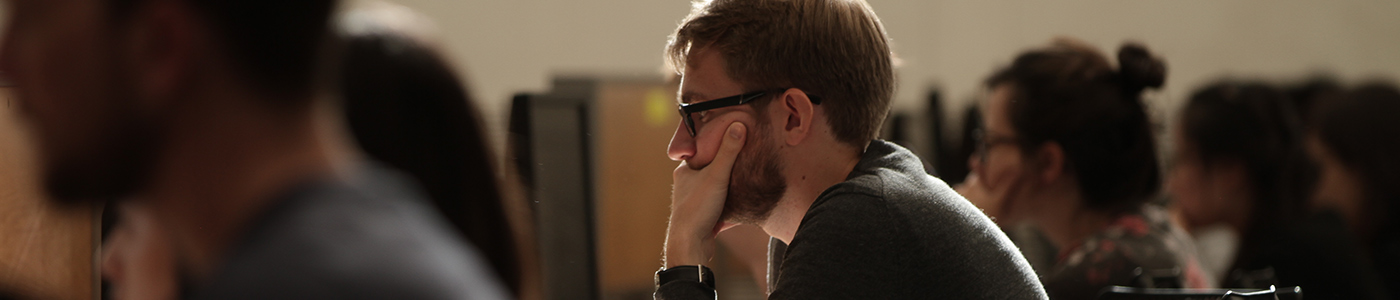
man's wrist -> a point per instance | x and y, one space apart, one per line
682 253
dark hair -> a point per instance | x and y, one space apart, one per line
957 168
1363 131
277 45
833 49
408 109
1255 125
1068 93
1307 94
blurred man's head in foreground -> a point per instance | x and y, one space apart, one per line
100 81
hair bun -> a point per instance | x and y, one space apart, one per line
1138 70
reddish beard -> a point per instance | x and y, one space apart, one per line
756 182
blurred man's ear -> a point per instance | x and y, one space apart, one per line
797 114
1050 162
160 50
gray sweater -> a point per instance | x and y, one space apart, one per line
371 237
891 231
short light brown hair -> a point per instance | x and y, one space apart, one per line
834 49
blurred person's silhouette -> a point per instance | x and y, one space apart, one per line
781 103
409 109
221 127
1354 139
1240 161
1066 146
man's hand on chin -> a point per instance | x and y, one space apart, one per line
697 198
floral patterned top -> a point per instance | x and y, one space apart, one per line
1145 239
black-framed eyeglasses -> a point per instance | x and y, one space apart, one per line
985 143
686 109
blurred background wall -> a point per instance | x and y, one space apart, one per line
513 46
506 47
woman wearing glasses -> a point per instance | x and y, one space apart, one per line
1067 148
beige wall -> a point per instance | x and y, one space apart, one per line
513 46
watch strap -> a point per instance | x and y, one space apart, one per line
700 274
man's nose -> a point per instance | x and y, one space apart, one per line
112 268
682 144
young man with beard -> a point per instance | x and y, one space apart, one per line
212 115
781 102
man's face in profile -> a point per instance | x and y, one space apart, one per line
756 182
75 94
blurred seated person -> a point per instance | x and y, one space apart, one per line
1067 147
1240 161
220 127
407 108
1355 140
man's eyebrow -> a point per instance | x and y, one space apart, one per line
692 97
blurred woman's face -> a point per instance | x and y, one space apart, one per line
1191 185
999 165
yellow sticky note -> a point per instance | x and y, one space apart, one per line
660 109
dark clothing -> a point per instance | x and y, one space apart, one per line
1145 239
1385 254
1317 253
891 231
366 237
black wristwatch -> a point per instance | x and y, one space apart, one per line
701 274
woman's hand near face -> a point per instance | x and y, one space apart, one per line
975 192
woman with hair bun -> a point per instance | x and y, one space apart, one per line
1067 147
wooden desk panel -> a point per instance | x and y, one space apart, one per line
634 123
46 251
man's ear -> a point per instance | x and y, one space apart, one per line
159 49
797 113
1050 158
